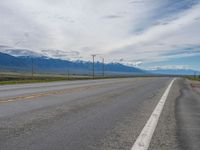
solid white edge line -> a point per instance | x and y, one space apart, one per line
144 139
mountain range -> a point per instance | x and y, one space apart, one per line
58 61
42 64
174 72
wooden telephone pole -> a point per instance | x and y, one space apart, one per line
103 67
32 69
93 67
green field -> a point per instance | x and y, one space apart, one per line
197 78
24 77
17 78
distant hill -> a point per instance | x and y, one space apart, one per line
174 71
19 52
49 65
8 61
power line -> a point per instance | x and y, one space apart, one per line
93 69
32 69
103 66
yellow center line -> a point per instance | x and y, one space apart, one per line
18 98
37 95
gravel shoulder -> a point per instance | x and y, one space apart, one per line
165 136
178 126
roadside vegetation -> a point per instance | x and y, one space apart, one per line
196 78
17 78
24 77
7 78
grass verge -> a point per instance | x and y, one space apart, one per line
194 78
6 79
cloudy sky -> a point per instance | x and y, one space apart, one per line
144 33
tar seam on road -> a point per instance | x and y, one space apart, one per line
144 139
48 93
37 95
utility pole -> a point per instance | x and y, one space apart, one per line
32 69
93 73
68 74
194 74
103 67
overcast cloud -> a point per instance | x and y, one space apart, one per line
137 31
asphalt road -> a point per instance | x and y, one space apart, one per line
98 114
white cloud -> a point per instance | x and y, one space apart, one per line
133 64
161 39
137 31
169 67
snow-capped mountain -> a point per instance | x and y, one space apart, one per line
42 64
174 71
49 53
60 54
19 52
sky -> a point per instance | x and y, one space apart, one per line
148 34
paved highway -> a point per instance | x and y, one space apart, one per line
99 114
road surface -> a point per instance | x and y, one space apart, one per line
99 114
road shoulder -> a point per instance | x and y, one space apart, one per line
165 136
